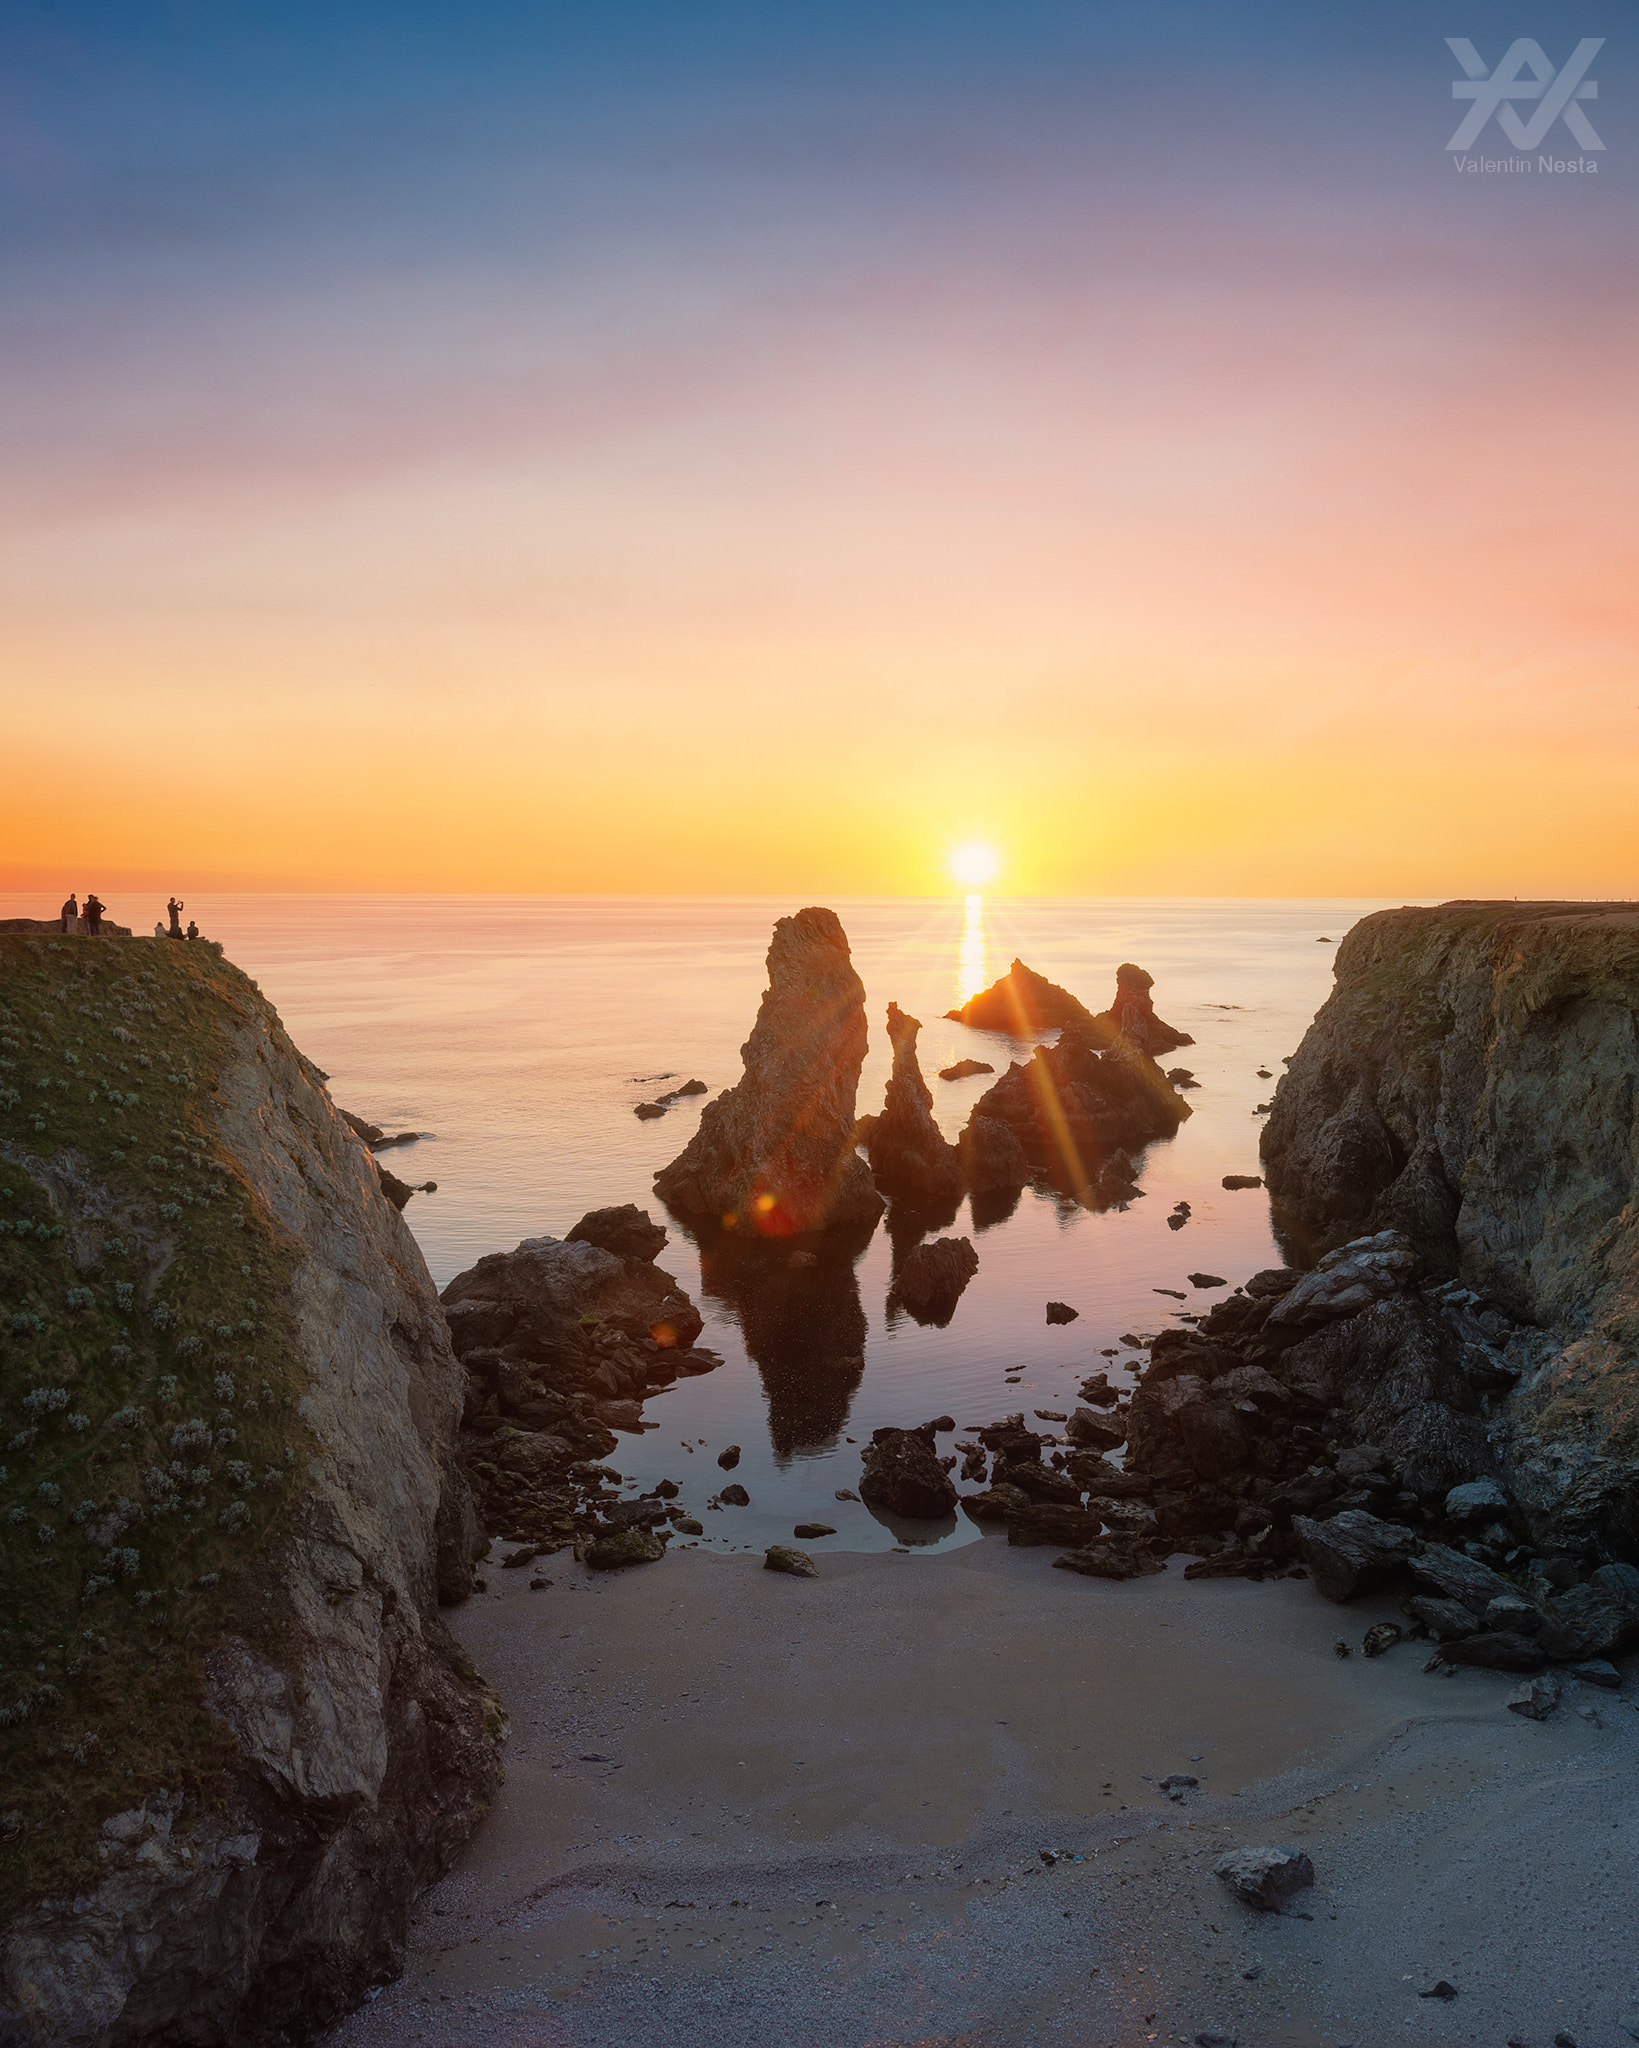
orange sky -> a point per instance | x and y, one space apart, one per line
1200 540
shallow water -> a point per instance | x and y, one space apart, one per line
521 1031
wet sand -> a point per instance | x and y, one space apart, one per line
743 1808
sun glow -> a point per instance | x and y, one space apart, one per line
973 865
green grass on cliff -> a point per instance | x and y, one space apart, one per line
148 1382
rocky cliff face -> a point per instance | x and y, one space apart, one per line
776 1154
236 1737
1470 1081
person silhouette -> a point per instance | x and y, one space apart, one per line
176 908
93 913
71 913
193 929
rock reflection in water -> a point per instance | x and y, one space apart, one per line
804 1328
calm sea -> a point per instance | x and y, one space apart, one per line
521 1031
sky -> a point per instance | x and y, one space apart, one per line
727 448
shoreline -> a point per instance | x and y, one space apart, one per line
699 1756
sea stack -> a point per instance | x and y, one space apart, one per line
775 1156
1132 1014
911 1158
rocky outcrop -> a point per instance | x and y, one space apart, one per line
775 1156
562 1341
625 1233
911 1159
259 1740
1024 1004
930 1279
905 1476
1470 1082
1074 1111
1132 1015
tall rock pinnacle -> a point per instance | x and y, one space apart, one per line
775 1154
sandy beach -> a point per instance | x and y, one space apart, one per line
744 1808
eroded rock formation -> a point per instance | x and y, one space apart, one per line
912 1160
1132 1014
1025 1003
776 1154
1073 1110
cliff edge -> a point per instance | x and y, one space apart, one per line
235 1736
1470 1082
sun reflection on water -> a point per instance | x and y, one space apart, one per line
971 975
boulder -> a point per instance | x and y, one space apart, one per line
797 1564
1478 1500
994 1503
1352 1553
1452 1576
735 1496
1497 1649
903 1476
1536 1699
1061 1312
1100 1480
627 1233
1349 1279
1114 1557
775 1155
628 1546
1040 1482
1265 1878
1088 1429
930 1278
962 1068
1052 1522
910 1158
541 1300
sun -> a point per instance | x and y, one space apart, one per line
974 865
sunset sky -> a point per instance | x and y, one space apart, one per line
761 447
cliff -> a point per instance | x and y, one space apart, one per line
235 1737
1470 1081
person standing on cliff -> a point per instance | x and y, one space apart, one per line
176 909
93 913
71 913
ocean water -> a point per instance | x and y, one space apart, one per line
520 1032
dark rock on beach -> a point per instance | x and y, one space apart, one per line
1061 1312
904 1475
774 1156
1265 1878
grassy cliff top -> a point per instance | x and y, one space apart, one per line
149 1439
